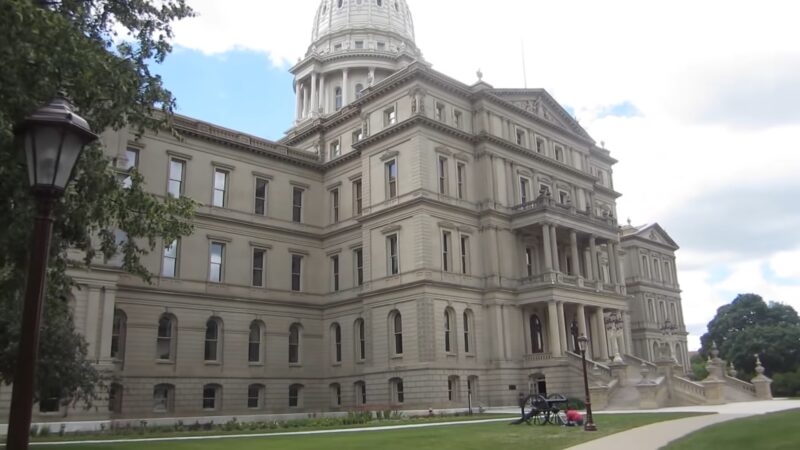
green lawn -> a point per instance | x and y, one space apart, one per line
776 431
495 436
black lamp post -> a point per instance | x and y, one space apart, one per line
589 425
54 137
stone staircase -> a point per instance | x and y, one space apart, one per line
637 383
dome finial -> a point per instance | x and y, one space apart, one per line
480 75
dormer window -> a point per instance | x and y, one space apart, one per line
381 45
359 44
337 47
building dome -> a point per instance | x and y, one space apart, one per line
390 18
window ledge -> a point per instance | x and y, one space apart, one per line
255 364
361 361
397 356
295 365
212 363
165 361
469 355
337 364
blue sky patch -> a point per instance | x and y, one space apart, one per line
773 278
238 89
718 273
624 109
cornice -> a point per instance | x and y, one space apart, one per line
602 154
607 191
486 137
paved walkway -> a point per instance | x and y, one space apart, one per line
657 435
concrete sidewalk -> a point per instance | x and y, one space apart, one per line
657 435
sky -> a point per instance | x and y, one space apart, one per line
698 100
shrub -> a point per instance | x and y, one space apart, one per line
786 384
575 403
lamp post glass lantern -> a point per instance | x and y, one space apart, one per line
589 424
54 137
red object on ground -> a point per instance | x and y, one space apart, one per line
574 416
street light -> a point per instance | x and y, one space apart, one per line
54 137
589 425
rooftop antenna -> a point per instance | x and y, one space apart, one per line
524 70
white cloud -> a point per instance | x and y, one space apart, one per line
676 61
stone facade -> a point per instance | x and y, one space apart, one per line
416 243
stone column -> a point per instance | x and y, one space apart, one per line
323 95
587 264
371 76
626 326
562 326
305 101
554 248
573 242
581 320
314 98
612 262
552 327
620 265
593 252
298 88
345 90
601 327
548 256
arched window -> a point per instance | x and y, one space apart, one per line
448 324
396 321
211 348
453 389
296 396
212 397
379 2
396 392
336 394
361 340
294 344
537 344
115 398
360 390
167 335
118 332
468 331
255 396
254 341
359 90
163 398
656 270
339 3
336 337
337 94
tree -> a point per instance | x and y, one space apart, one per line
75 46
748 325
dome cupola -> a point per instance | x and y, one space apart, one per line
382 20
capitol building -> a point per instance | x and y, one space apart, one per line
413 242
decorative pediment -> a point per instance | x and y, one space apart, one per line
541 104
655 233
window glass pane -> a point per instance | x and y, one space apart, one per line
261 196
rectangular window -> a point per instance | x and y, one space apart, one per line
446 251
131 162
358 259
391 251
529 261
391 179
259 255
520 137
297 267
253 395
563 197
464 254
335 205
220 185
458 119
389 116
261 196
215 269
177 169
359 44
523 190
335 272
209 398
358 135
539 145
559 153
169 267
461 179
442 169
297 205
335 150
438 112
294 396
357 197
381 45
